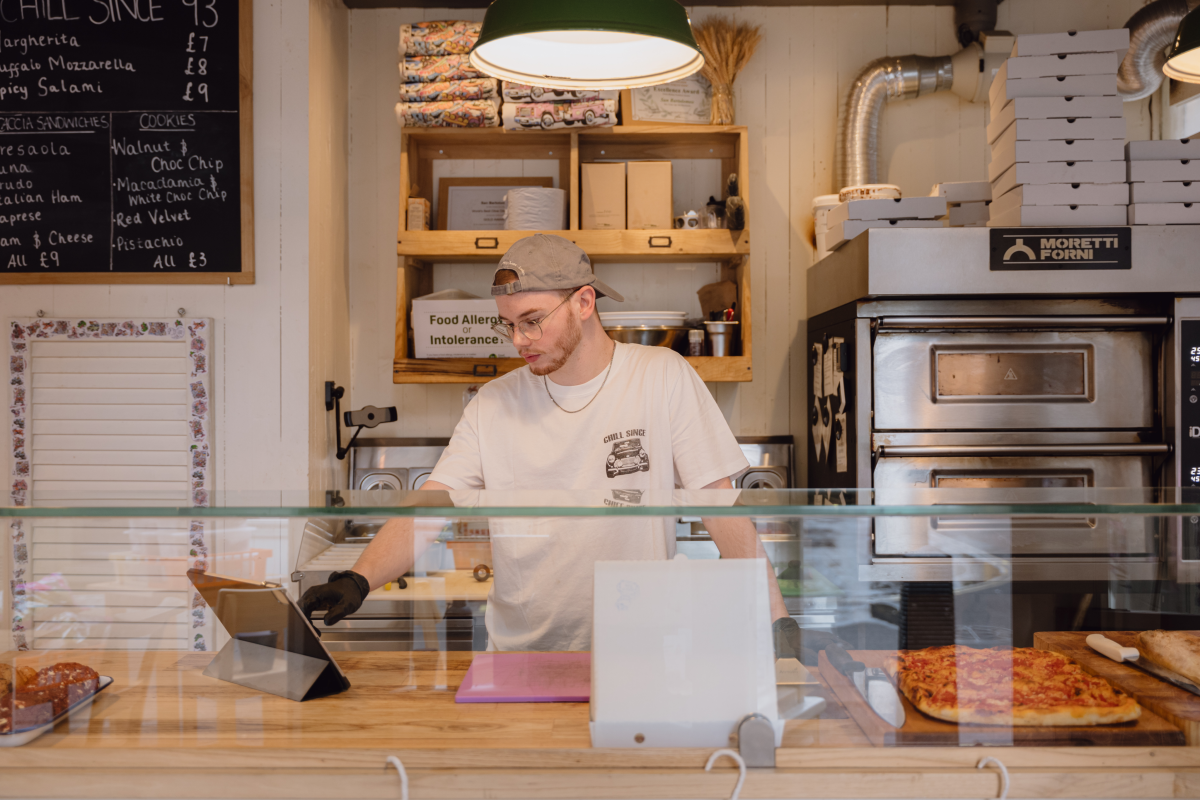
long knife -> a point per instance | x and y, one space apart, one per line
871 682
1132 656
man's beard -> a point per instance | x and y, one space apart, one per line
552 362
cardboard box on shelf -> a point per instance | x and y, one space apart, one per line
602 196
417 217
1159 171
1165 192
1054 44
455 324
1056 66
1058 172
962 191
1067 194
1018 216
1164 214
886 209
648 195
1002 91
1042 130
1163 150
843 232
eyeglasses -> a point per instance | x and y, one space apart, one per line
531 329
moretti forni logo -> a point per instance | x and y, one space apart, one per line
1019 249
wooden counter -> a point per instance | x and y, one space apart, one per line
165 730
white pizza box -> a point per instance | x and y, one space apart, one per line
1052 108
1165 192
887 208
1007 151
1005 89
1063 107
1059 172
965 214
1067 194
983 223
455 324
1163 150
1064 64
962 191
1067 42
1164 214
1042 130
1064 216
1187 169
843 232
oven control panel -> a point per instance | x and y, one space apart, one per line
1188 452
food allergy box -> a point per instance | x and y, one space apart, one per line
456 324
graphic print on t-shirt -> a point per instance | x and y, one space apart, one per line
627 454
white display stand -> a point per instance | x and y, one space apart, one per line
681 652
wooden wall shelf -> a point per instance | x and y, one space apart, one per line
601 246
421 251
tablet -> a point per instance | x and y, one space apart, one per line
273 646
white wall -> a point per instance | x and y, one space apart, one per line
788 96
260 341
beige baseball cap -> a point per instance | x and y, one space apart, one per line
544 262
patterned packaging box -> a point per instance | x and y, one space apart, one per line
438 38
549 116
449 114
474 89
414 69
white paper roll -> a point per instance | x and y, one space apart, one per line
535 209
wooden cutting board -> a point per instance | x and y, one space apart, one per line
1179 706
918 729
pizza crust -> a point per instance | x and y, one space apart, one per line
910 686
1178 651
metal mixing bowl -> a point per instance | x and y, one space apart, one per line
674 338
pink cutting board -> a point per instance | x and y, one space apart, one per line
527 678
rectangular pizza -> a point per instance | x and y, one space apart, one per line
1018 686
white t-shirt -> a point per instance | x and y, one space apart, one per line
654 426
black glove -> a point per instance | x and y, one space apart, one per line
792 642
341 597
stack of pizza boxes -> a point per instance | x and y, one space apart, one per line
1164 182
852 217
968 202
1057 132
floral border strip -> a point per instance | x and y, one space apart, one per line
21 335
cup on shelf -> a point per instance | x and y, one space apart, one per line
720 336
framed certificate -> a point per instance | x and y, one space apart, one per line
686 101
477 204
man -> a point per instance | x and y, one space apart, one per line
585 413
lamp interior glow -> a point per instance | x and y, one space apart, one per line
586 59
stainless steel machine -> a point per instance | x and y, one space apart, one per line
941 360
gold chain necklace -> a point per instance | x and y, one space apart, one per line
611 358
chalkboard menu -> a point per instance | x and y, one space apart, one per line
125 141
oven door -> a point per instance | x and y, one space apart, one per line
1012 377
990 479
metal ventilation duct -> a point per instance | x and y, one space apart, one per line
1151 30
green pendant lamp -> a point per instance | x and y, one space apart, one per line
1183 59
602 44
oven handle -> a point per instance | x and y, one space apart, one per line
937 323
919 451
